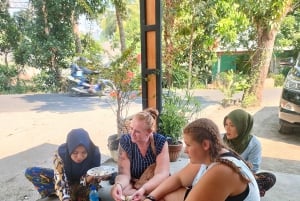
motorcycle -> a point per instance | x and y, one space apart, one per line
81 82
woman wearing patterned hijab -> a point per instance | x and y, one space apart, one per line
73 159
238 125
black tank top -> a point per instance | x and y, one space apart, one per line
242 195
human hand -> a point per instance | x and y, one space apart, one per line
92 179
139 195
117 192
89 179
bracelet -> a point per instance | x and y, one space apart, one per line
120 185
150 197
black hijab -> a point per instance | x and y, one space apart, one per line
74 170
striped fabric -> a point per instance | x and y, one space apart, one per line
138 163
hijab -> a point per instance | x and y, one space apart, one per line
73 170
243 121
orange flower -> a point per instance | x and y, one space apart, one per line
129 75
113 94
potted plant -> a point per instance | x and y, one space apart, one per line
123 72
177 111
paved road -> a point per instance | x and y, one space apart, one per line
64 103
49 103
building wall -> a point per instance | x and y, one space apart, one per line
239 60
224 63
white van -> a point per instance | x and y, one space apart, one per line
289 108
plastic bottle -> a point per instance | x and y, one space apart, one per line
93 196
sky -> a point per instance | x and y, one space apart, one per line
17 5
85 26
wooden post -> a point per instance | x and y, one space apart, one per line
150 17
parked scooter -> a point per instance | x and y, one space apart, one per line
80 82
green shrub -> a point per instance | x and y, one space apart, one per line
20 87
278 79
230 82
177 111
7 76
179 77
199 85
249 101
45 82
285 71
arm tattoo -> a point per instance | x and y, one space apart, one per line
122 157
121 152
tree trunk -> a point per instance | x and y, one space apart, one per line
121 29
123 48
169 18
260 64
6 58
191 54
45 13
119 112
76 32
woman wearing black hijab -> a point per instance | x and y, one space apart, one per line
73 159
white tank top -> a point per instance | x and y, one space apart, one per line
253 194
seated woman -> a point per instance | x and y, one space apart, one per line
137 151
214 173
238 125
68 180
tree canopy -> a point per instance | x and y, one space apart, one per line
46 35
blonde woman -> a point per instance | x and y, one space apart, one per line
138 150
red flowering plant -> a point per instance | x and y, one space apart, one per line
124 72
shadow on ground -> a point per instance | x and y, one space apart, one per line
283 149
61 103
266 125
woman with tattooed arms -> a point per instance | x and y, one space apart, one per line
141 152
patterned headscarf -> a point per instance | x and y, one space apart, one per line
75 138
243 121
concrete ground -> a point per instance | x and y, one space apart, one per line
32 127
